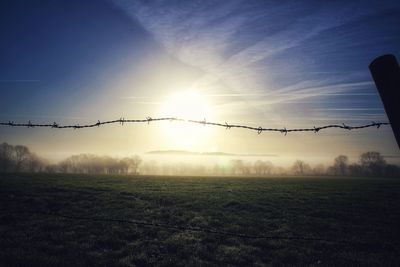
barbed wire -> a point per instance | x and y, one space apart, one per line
189 228
226 125
6 211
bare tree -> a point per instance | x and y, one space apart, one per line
267 168
35 164
340 165
372 163
134 164
123 165
21 156
300 167
237 166
6 157
263 167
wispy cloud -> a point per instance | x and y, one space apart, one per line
234 42
257 56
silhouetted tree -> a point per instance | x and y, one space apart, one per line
6 157
21 155
35 164
340 165
134 163
246 168
92 164
300 167
263 167
372 163
267 168
19 159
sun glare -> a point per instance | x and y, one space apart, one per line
187 105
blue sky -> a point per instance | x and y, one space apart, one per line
269 63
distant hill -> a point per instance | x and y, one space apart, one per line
192 153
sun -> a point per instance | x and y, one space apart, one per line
186 105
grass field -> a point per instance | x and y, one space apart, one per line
363 212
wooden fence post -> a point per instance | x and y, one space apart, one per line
386 73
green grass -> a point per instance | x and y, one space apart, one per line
363 211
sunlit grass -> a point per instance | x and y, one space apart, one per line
354 209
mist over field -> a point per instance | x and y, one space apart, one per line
176 162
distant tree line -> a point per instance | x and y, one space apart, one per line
93 164
20 159
369 164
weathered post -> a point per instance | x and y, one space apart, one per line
386 73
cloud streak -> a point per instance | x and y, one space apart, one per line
258 57
232 42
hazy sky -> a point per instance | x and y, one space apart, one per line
262 63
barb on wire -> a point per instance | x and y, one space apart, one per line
227 126
378 125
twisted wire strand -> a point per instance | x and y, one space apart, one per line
225 125
188 228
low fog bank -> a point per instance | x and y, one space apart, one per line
20 159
